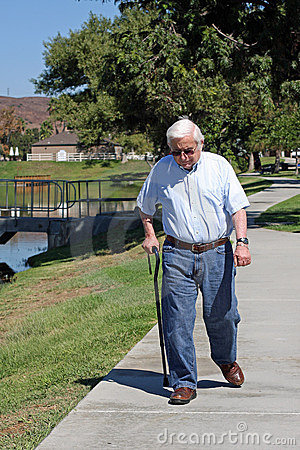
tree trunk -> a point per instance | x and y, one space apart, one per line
277 161
251 163
257 162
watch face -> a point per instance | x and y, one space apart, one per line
243 240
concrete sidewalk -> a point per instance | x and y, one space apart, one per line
129 408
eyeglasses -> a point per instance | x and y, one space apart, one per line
188 151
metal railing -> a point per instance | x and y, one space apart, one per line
104 196
35 197
66 199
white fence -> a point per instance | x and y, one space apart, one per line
83 156
41 157
68 156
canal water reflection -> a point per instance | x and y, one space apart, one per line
61 199
19 248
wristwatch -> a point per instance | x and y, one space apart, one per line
243 240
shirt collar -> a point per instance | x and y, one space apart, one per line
195 167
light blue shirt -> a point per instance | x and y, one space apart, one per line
196 206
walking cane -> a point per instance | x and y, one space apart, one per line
158 311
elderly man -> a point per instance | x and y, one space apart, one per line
202 200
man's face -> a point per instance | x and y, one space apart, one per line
186 160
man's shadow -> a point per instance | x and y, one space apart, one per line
147 381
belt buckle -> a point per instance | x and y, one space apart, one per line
194 249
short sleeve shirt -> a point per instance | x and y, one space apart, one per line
197 205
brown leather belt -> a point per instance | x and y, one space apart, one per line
197 248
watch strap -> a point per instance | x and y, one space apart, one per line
243 240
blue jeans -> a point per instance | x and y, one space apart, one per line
183 271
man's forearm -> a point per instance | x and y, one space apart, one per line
150 238
241 254
240 223
147 222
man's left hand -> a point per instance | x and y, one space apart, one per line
241 256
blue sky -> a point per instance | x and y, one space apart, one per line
25 24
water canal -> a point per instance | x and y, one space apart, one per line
18 249
58 199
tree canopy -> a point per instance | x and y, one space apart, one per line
10 124
231 66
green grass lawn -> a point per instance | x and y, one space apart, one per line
283 174
284 216
266 160
74 170
252 185
64 324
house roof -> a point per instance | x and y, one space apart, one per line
67 138
64 138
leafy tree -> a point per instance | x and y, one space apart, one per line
46 129
257 27
135 79
253 46
24 140
9 123
278 132
137 142
228 65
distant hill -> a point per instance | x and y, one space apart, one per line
33 110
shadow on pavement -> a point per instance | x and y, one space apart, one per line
144 380
283 181
210 384
147 381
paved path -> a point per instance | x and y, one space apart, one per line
129 408
281 189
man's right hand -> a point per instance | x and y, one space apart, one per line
149 243
150 240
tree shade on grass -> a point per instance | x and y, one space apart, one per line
284 216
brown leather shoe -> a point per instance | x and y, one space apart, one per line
182 396
233 373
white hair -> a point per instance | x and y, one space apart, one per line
184 127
